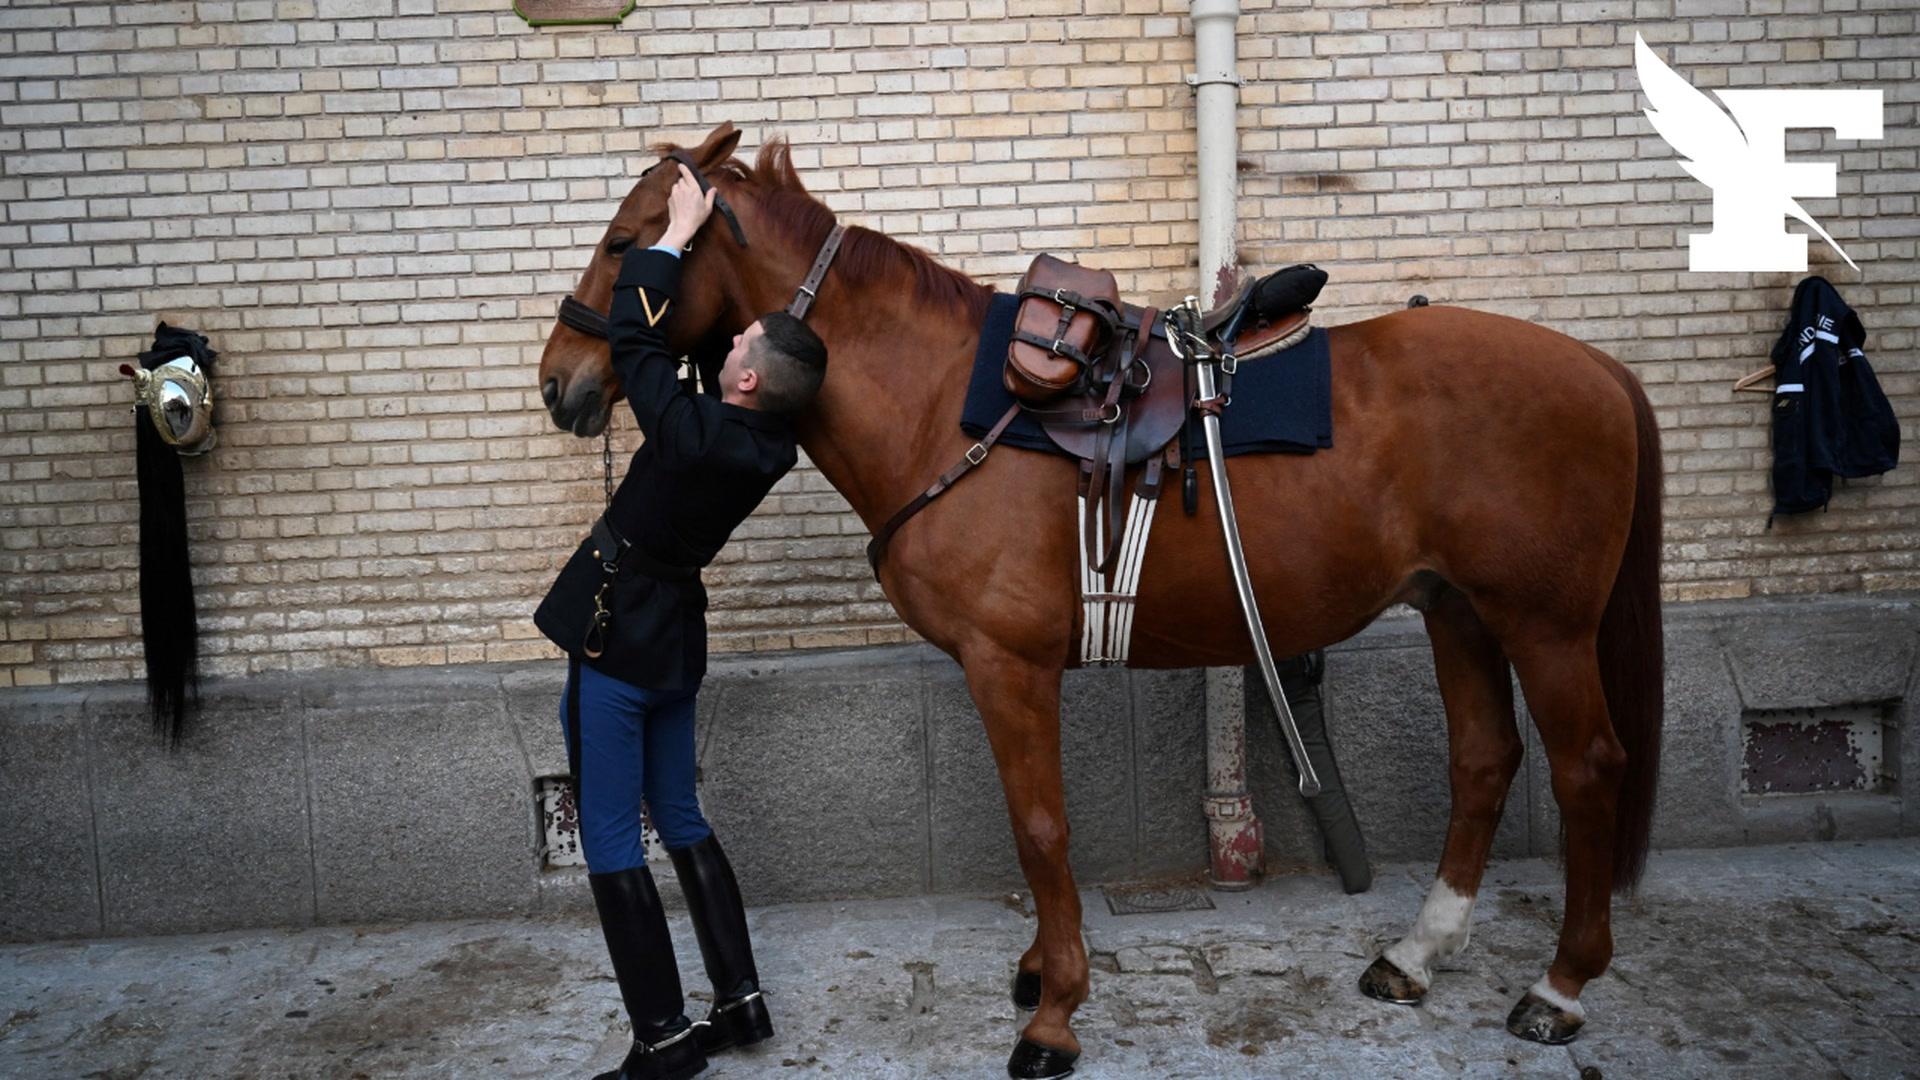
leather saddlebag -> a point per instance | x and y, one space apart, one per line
1067 317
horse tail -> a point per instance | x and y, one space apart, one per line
1633 652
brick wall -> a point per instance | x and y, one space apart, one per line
371 206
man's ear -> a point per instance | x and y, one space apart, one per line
749 381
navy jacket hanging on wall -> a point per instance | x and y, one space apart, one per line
1830 417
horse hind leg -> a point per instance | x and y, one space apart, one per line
1565 694
1486 751
1020 704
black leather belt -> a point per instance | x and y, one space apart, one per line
611 548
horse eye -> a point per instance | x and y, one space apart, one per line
618 246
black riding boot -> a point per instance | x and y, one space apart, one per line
739 1016
664 1046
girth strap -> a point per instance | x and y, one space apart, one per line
1105 478
977 453
1108 598
1106 472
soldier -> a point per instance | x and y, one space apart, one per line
629 610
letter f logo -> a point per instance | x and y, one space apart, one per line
1743 158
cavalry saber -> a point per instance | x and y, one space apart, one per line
1242 582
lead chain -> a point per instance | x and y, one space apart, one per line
606 460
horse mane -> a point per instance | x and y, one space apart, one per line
867 257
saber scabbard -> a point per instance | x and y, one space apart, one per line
1206 366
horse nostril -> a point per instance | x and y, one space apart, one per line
550 392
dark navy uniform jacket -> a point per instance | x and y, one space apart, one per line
1830 417
704 466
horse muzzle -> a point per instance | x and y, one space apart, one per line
583 409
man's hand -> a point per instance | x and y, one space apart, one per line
687 208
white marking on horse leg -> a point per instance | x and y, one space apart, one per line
1441 931
1545 992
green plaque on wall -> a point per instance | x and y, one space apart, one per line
573 12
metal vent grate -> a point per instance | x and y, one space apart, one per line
1832 749
1155 899
560 827
559 823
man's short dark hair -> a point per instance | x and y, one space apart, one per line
791 360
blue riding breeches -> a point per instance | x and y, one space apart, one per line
630 745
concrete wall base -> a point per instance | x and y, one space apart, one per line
349 797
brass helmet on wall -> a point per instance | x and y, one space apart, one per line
179 400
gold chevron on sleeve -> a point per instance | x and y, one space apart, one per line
653 317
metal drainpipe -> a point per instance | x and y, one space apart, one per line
1233 831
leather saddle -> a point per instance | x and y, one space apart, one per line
1153 404
1101 380
1072 325
1104 384
1268 314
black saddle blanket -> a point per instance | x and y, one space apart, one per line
1281 404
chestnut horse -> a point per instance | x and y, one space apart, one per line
1501 478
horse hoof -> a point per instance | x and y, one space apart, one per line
1382 981
1031 1061
1539 1020
1026 990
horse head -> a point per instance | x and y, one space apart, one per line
577 381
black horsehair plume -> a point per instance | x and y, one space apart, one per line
169 628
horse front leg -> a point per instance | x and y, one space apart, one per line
1020 703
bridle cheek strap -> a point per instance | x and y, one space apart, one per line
719 201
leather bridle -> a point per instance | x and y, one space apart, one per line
593 323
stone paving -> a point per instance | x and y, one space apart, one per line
1799 961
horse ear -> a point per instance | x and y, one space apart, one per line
719 145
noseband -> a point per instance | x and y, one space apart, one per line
578 316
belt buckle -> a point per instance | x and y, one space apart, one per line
976 453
